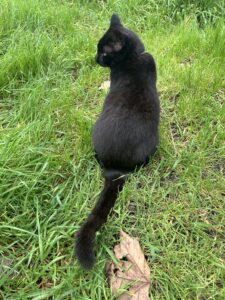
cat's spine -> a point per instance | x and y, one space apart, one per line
85 237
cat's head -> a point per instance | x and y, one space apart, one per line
117 45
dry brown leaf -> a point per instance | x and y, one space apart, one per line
133 274
105 85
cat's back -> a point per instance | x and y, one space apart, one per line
127 128
134 88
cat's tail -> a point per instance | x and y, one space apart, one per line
84 244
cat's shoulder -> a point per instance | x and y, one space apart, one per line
147 59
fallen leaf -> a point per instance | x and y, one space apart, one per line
133 273
105 85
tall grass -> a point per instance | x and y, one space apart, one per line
49 180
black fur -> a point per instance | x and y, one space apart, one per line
126 132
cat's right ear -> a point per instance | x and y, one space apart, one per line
115 20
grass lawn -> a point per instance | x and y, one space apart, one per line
49 179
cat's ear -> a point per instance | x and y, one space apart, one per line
121 42
115 20
118 46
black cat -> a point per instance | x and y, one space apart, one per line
126 132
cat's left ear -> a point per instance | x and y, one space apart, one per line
122 41
115 20
118 46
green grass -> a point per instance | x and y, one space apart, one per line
49 179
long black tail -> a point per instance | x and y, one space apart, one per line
86 235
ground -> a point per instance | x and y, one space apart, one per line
49 179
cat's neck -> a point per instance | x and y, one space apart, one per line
122 76
126 67
119 73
